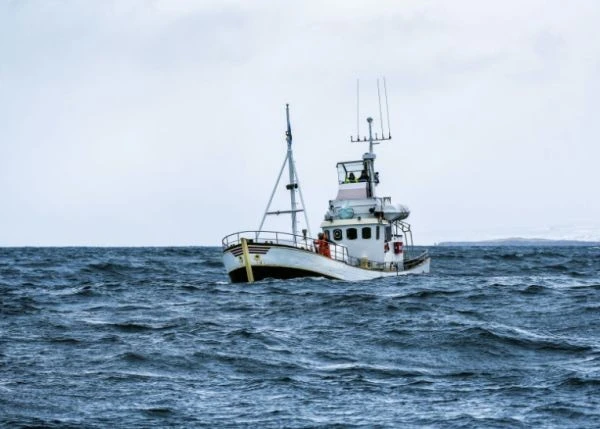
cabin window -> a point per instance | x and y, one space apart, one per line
377 232
388 233
351 234
366 232
337 234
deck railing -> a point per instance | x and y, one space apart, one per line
338 252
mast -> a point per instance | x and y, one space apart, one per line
292 185
370 121
370 159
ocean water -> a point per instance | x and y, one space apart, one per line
157 337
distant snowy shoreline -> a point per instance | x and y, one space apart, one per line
520 242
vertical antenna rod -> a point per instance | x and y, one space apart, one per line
292 186
387 108
380 115
357 110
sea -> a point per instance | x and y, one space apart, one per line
494 337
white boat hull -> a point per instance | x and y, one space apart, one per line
279 261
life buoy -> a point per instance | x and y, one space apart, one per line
397 247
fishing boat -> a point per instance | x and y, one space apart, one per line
363 236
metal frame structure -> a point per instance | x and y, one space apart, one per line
292 186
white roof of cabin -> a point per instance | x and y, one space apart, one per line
353 222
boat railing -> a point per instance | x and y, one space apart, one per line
410 253
412 257
338 252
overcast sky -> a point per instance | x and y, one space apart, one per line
162 122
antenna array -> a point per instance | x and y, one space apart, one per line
381 121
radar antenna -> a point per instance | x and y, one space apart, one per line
377 139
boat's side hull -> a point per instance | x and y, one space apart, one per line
283 262
261 272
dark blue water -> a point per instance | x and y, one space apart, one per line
156 337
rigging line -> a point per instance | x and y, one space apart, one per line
273 193
380 115
387 108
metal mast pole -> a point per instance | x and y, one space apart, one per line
371 161
293 185
370 121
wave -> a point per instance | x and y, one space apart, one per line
106 268
158 411
343 299
255 364
86 291
23 305
369 371
425 294
564 410
535 290
130 327
561 268
266 338
134 327
211 263
521 339
496 256
64 340
133 357
38 422
578 382
512 256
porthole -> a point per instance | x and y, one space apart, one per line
337 234
351 234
